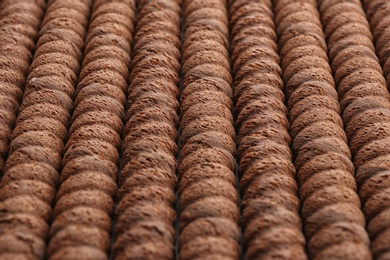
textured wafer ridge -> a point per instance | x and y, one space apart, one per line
270 206
364 100
333 222
145 211
208 201
19 25
82 223
30 178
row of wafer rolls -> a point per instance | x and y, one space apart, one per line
81 225
19 24
30 176
378 14
379 17
144 215
270 206
364 100
333 222
208 200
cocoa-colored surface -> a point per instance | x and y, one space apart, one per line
19 23
318 139
365 111
220 129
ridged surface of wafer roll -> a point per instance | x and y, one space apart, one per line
30 178
270 206
208 221
324 169
145 212
194 129
81 226
364 101
19 25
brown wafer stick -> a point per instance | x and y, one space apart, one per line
197 128
362 108
42 125
379 20
317 135
259 147
18 36
147 180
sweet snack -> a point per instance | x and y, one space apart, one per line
364 111
85 198
147 179
194 129
318 139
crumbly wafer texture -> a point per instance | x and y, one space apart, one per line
19 25
321 191
208 200
364 100
85 198
145 214
266 171
193 129
40 131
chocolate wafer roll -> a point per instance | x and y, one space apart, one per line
322 191
265 168
42 125
19 23
144 214
377 13
85 199
207 192
363 98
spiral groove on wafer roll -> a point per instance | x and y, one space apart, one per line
378 14
364 100
145 212
84 206
31 171
270 206
331 211
19 25
208 200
